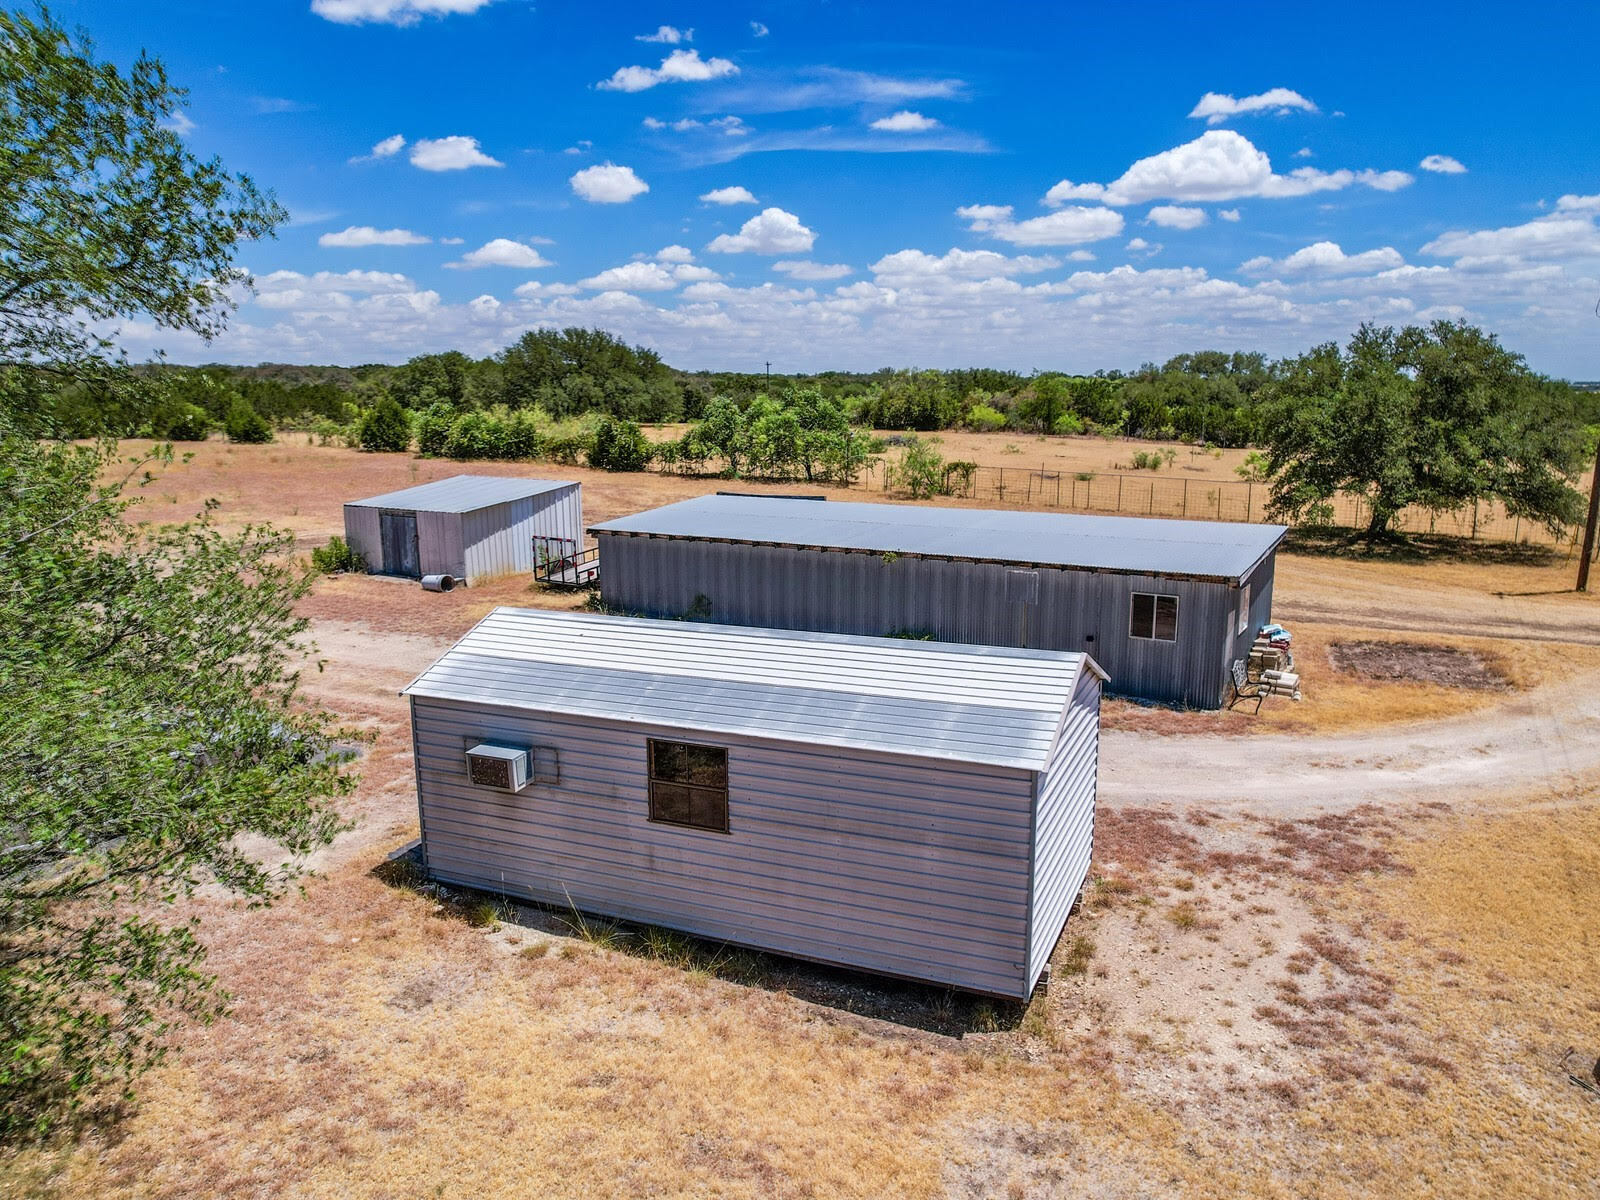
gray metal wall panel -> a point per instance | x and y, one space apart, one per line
861 593
439 544
362 536
1064 824
499 539
867 860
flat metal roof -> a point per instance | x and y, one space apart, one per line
1215 550
463 493
976 704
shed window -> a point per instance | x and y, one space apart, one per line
1153 618
689 785
1244 610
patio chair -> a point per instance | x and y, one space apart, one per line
1245 688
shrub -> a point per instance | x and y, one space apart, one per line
184 423
1067 423
618 446
433 430
386 427
245 425
920 469
337 556
984 419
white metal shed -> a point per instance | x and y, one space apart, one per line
469 526
915 809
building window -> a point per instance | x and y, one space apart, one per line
1153 618
1244 610
689 785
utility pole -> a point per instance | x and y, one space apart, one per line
769 375
1588 527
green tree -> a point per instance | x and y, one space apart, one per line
1436 417
919 472
103 212
150 727
721 433
619 446
385 426
244 424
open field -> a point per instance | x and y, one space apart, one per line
1343 956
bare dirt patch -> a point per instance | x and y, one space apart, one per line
1401 662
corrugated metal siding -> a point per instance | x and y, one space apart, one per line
876 594
362 536
559 515
873 861
1064 824
439 544
500 539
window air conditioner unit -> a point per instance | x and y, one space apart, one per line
502 767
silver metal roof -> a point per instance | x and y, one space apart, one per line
926 699
1135 545
463 493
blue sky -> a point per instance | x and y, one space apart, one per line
860 185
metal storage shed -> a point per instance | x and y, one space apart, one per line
1165 606
909 808
468 526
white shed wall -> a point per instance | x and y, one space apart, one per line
1064 824
890 864
499 540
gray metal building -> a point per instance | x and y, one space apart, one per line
1164 606
469 526
915 809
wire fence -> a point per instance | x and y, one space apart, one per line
1153 495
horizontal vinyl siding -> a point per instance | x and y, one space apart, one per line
866 860
1064 833
835 591
361 534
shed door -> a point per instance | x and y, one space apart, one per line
399 534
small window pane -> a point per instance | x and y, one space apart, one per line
670 802
708 766
1143 619
1166 619
708 809
669 760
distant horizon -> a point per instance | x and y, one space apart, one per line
827 190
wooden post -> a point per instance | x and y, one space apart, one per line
1588 527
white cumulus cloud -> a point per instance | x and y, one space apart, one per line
667 35
1442 164
501 252
811 271
681 66
905 121
1228 214
1217 107
608 184
1173 216
454 153
757 29
906 267
391 12
1065 227
1220 164
729 195
771 231
1567 233
631 277
1329 258
367 235
675 254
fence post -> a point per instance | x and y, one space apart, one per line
1119 493
1186 497
1474 517
1249 497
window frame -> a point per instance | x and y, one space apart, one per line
1155 607
1244 610
693 790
